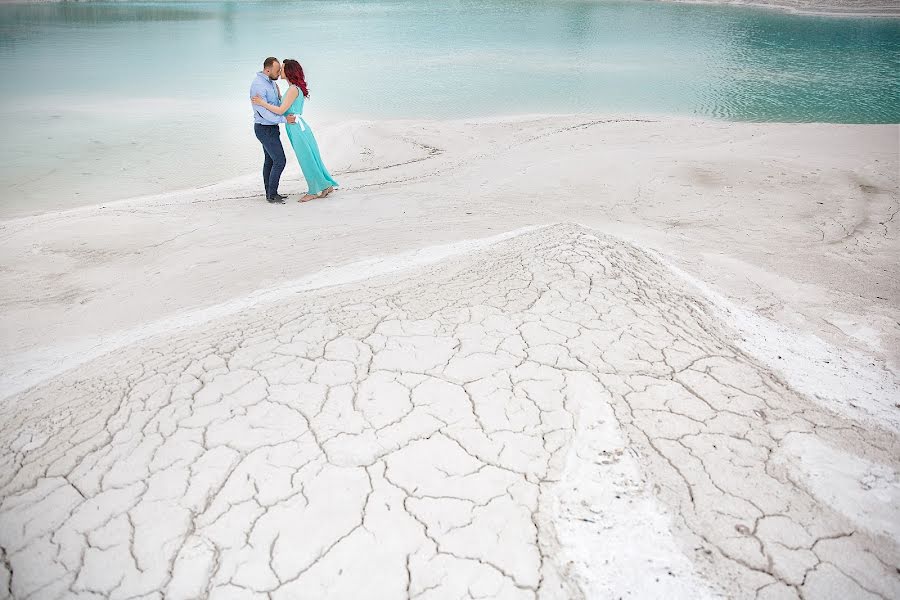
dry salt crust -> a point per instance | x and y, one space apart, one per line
782 237
555 415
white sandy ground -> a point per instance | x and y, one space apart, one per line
450 380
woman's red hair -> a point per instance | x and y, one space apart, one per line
294 73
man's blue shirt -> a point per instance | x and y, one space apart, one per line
265 88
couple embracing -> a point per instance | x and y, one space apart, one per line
269 110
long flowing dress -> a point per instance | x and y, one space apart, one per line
307 150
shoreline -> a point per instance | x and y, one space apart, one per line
330 130
334 128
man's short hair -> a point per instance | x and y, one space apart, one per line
269 62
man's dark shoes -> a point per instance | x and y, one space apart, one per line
276 199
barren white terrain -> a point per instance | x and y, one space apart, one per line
524 358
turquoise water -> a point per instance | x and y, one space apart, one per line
98 88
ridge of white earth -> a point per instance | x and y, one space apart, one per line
555 415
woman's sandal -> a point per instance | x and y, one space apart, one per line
322 194
308 197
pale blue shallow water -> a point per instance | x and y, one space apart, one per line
89 88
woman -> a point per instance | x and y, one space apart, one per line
304 143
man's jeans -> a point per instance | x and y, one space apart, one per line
270 138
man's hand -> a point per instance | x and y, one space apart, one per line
291 119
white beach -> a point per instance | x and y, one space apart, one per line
556 357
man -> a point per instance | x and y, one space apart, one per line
265 125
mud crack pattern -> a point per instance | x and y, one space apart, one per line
409 437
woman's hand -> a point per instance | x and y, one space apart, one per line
257 101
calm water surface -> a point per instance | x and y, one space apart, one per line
108 100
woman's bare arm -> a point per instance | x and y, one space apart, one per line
286 102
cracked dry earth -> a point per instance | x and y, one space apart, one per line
488 427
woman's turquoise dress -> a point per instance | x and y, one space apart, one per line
307 150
